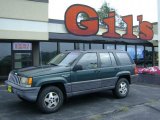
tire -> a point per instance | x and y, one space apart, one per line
50 99
122 88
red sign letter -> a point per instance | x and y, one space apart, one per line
110 22
145 29
129 21
86 27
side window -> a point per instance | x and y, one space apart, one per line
105 60
88 61
123 58
113 59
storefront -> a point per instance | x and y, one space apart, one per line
27 40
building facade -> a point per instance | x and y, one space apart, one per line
29 38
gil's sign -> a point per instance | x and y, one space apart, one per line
91 26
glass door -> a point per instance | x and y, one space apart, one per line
22 55
22 59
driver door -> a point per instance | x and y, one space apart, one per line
85 79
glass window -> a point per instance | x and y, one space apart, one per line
65 59
109 46
84 46
121 47
88 61
66 47
105 60
140 52
5 59
148 56
123 58
113 59
96 46
22 60
155 56
48 50
131 51
140 56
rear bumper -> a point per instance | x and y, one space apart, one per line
29 94
134 78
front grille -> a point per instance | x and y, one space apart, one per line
14 79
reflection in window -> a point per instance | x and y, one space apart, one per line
131 51
22 60
109 46
148 56
105 60
155 56
5 59
120 47
66 46
113 59
140 56
65 59
88 61
124 58
84 46
48 50
140 52
96 46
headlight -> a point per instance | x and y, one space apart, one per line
26 82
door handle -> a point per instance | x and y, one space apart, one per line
117 68
97 71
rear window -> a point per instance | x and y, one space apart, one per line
124 58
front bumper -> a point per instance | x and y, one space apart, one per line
29 94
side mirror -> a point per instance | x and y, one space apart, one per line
77 67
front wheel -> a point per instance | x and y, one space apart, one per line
50 99
122 88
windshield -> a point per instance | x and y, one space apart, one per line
65 59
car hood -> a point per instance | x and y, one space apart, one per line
41 70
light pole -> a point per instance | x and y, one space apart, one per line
158 32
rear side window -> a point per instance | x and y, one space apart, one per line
105 60
123 58
113 59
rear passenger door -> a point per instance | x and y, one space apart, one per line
86 79
107 69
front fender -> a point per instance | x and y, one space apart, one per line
51 81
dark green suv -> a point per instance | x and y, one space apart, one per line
73 73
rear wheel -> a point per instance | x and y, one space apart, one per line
122 88
50 99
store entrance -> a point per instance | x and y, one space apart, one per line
22 55
22 59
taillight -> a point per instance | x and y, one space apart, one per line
135 70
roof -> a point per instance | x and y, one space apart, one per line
94 50
44 1
96 38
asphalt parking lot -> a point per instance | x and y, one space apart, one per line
143 103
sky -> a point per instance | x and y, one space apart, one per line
147 8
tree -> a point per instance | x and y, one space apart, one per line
103 13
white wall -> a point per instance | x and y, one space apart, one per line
24 9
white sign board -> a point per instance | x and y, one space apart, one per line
22 46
